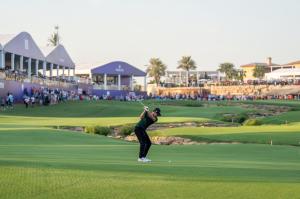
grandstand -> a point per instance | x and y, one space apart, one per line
23 64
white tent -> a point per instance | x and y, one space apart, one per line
58 58
288 73
58 55
20 48
21 53
21 44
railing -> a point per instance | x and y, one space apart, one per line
110 87
44 81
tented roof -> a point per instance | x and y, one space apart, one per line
118 67
46 50
58 55
21 44
5 38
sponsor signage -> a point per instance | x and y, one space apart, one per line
120 69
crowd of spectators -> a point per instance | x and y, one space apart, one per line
17 75
46 96
223 97
282 82
128 97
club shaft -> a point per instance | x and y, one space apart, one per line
141 103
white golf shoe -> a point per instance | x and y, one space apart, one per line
144 160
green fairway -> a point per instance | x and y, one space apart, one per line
37 161
104 113
280 135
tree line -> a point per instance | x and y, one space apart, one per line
157 69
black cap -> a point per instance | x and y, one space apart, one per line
157 111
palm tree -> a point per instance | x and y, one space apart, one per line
240 75
259 71
228 69
156 69
187 63
54 38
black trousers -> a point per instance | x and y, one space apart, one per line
145 142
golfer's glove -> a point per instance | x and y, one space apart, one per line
146 108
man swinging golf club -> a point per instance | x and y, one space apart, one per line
146 119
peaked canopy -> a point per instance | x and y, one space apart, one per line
21 44
58 55
4 39
118 68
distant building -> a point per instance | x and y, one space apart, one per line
284 74
180 77
249 68
295 64
116 79
270 68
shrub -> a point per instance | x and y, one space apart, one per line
99 130
127 129
89 129
295 109
238 118
252 122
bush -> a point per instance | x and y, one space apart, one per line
252 122
295 109
99 130
127 129
240 118
237 118
89 129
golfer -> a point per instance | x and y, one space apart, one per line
147 118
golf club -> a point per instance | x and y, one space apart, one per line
140 101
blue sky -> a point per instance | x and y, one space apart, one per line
211 31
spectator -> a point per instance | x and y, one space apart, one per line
2 101
26 101
32 100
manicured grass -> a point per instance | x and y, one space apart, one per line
280 135
37 161
59 164
105 113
